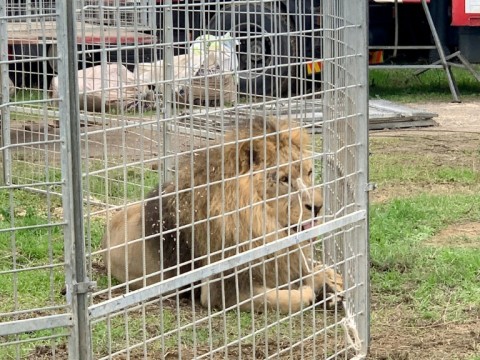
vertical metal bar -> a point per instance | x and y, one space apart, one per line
168 86
328 115
80 339
356 37
4 95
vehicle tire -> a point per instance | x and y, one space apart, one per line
265 49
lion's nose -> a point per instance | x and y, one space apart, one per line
316 209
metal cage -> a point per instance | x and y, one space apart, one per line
184 180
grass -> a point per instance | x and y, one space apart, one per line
421 283
404 86
112 186
432 276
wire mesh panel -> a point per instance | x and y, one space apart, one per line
211 178
38 305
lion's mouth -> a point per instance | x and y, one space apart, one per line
304 226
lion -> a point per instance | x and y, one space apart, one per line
254 189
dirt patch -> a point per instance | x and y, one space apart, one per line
457 117
444 341
45 352
458 235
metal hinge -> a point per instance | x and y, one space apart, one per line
371 187
84 287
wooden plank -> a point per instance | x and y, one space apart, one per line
401 124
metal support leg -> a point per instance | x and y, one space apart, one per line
451 81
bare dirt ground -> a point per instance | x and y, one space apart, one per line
395 333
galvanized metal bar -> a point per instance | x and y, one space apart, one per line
134 297
31 185
56 308
4 96
80 340
169 93
20 270
406 66
402 47
438 44
357 38
36 324
42 142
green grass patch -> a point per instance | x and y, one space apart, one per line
34 347
396 161
31 236
184 330
404 86
406 168
402 264
114 186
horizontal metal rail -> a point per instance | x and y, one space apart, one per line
35 324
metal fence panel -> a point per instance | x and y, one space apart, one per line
179 160
38 278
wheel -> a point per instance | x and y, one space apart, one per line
264 49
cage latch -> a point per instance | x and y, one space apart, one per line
371 187
84 287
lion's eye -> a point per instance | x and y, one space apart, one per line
284 179
310 173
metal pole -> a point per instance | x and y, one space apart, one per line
79 346
345 139
357 37
168 86
451 80
4 96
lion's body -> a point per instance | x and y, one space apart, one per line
129 262
245 193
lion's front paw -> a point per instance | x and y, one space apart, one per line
333 286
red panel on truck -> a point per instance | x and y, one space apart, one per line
466 12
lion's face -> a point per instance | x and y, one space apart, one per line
290 193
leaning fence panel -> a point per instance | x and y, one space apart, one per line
223 163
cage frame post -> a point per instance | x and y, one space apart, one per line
357 38
169 94
77 284
345 111
4 98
